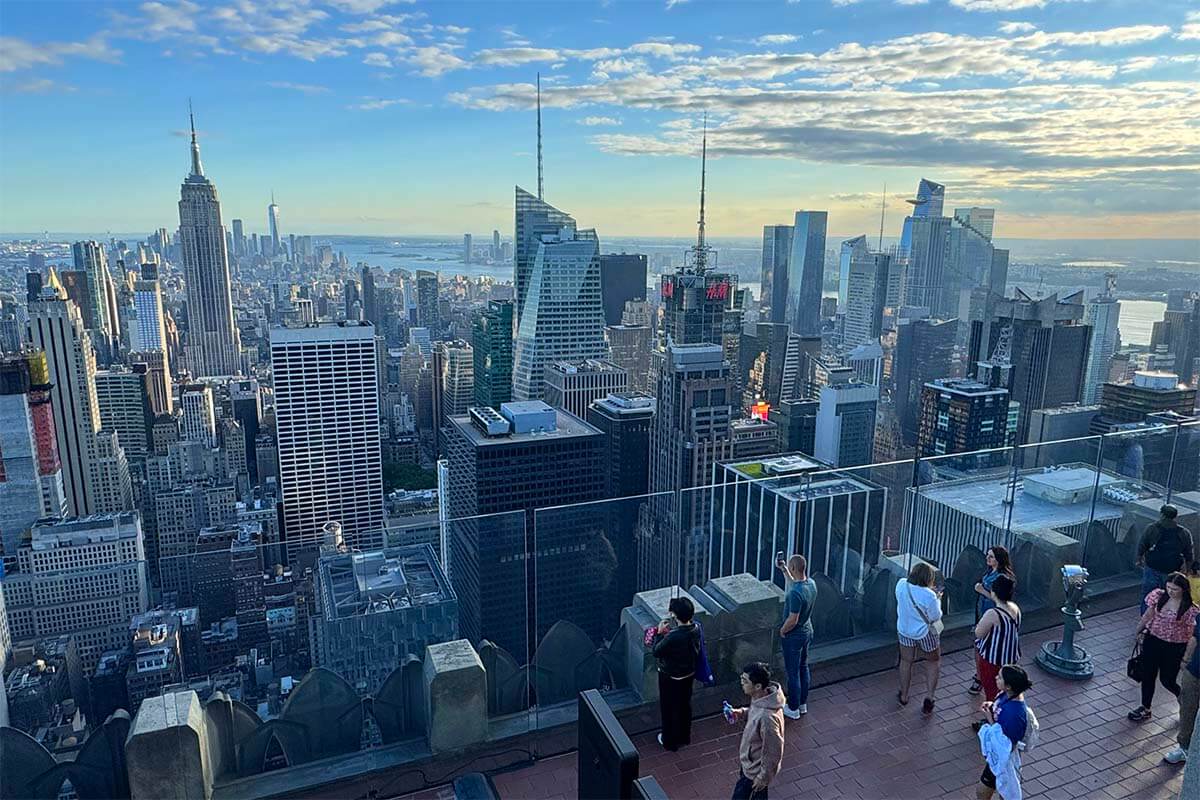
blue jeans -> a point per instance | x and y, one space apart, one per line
744 790
795 661
1151 579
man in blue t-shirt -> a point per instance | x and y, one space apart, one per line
796 633
1189 698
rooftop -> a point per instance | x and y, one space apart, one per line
566 426
786 464
856 743
381 580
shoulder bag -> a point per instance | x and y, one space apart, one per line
938 626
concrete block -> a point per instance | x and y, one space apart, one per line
455 695
167 749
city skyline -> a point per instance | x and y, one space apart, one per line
811 105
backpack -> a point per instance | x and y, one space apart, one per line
1167 553
1033 732
704 672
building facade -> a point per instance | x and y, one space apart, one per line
573 385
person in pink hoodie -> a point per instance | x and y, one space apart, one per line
761 751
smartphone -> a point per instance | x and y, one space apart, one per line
779 559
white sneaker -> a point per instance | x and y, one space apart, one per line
803 708
1176 756
790 714
660 741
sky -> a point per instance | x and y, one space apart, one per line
1073 118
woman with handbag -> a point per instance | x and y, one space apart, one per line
997 635
1164 630
919 628
999 563
677 647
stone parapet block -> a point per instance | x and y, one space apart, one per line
167 749
455 696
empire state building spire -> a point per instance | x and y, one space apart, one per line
197 167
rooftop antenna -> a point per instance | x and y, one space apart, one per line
197 169
539 133
882 208
701 260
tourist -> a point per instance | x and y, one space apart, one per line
1166 547
1009 724
919 627
996 635
1189 695
796 633
676 647
1168 623
998 563
761 751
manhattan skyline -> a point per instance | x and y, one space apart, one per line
376 118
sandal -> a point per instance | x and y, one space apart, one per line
976 687
927 706
1139 714
900 699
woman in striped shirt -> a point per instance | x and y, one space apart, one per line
997 635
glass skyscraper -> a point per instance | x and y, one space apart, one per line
805 272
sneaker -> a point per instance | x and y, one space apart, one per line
660 743
976 687
803 709
1176 756
790 714
1139 714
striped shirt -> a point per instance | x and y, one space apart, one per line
1002 644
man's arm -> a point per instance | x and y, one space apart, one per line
1188 549
1144 544
793 619
772 752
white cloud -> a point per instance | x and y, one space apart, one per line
377 60
303 88
593 122
777 38
997 5
37 86
18 54
364 6
672 3
663 49
1017 27
512 56
1189 31
377 103
434 60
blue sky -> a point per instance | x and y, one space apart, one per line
1072 117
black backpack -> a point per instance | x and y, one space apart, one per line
1167 553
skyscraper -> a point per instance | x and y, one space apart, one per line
777 247
453 381
427 301
1038 351
925 263
806 272
924 352
573 385
534 219
563 317
468 246
246 401
273 224
495 245
56 327
239 239
31 483
928 203
211 331
148 339
327 422
1103 314
845 435
492 347
369 300
960 416
622 278
981 219
100 312
525 457
123 397
865 276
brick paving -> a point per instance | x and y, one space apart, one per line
857 743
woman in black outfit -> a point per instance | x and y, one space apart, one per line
676 648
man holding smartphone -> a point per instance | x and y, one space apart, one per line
796 632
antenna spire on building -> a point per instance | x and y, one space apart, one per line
882 209
701 257
197 169
539 133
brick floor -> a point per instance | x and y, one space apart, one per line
857 743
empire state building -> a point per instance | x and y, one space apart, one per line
213 347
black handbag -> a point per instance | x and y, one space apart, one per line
1134 667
